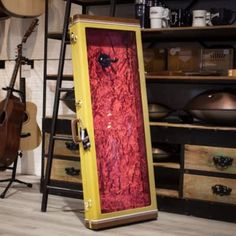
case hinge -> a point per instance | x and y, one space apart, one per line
73 38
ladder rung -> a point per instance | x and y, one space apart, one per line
58 36
63 137
60 189
66 89
64 77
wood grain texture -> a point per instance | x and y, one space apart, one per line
201 158
192 126
20 215
61 149
23 8
31 127
200 187
59 173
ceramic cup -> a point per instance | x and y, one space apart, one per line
200 18
158 15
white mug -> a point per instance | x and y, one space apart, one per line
201 18
158 15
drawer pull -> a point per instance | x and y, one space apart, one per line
221 190
72 171
72 146
222 162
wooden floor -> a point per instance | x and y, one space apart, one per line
20 215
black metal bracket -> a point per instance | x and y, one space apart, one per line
113 8
2 64
13 177
12 89
26 61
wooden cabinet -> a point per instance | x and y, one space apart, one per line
66 161
66 171
63 149
210 178
208 188
198 175
211 159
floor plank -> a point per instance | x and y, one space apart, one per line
20 215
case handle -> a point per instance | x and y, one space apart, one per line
75 135
82 136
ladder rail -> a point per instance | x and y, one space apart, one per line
45 177
56 106
44 92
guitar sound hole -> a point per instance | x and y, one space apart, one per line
2 117
26 117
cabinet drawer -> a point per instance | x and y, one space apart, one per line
63 170
214 159
62 148
210 188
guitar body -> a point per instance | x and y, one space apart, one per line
11 120
3 15
22 8
31 134
12 111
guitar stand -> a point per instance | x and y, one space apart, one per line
13 178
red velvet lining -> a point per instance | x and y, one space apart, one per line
118 120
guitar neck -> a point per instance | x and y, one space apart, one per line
18 62
22 89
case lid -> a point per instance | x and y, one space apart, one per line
104 19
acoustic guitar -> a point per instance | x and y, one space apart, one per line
22 8
30 132
3 16
12 112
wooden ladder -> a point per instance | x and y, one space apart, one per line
46 186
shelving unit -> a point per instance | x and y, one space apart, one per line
176 183
209 33
218 79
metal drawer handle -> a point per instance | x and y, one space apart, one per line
222 162
221 190
72 171
72 146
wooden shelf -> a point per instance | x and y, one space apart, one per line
172 165
58 36
192 126
218 33
99 2
167 192
181 78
